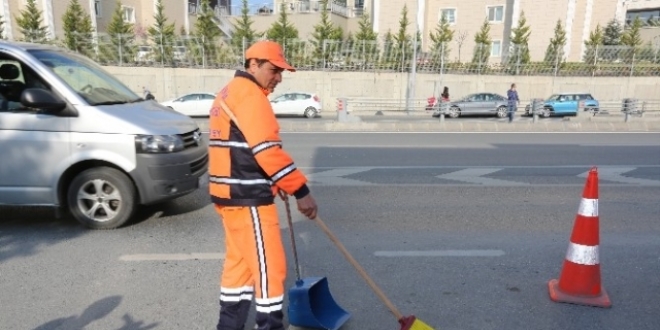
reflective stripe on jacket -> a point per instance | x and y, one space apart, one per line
248 166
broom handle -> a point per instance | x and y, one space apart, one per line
293 237
359 269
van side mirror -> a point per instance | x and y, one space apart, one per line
39 98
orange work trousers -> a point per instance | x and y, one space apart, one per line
255 264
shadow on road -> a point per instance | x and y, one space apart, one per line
94 312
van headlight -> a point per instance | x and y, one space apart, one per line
158 143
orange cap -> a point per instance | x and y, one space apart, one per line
271 51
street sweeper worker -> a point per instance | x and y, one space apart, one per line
248 167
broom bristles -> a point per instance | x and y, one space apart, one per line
413 323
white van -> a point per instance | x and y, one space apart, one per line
72 136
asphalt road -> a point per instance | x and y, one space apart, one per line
463 230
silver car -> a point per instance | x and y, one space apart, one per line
476 104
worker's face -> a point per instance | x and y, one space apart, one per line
267 75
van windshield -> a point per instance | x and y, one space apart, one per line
87 78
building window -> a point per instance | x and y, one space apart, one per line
449 14
97 8
128 13
496 48
496 14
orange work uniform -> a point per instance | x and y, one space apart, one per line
247 167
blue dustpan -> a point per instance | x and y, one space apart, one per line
310 303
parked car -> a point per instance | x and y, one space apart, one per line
77 139
297 103
566 104
477 104
192 105
144 54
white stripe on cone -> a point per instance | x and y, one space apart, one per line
588 207
582 254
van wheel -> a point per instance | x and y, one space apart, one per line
101 198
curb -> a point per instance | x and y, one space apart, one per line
586 125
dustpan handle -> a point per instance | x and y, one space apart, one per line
293 237
360 270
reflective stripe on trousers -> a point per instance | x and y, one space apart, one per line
254 264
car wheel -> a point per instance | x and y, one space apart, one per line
546 113
101 198
501 112
454 112
310 112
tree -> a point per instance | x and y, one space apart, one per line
519 52
206 32
30 23
77 28
613 33
282 29
243 29
325 31
555 51
2 28
389 45
483 44
162 35
460 40
595 41
403 46
441 37
633 39
121 37
632 36
365 40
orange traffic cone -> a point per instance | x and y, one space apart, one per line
579 282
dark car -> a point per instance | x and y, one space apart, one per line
477 104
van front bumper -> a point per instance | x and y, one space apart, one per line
161 177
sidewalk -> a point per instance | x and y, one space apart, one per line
573 124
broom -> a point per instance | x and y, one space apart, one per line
407 322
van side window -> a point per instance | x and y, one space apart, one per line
14 79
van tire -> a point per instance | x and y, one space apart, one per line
118 195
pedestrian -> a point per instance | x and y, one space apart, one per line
445 94
513 100
147 93
248 167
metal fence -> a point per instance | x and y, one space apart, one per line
364 56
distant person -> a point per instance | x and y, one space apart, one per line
513 100
445 94
147 94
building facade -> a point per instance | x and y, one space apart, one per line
579 18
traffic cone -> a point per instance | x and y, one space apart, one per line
579 282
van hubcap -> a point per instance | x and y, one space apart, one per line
99 200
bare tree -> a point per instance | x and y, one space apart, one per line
460 39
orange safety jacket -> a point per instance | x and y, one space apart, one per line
247 166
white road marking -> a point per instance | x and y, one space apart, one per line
474 175
615 174
441 253
335 177
172 257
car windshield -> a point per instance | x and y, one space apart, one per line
554 97
87 78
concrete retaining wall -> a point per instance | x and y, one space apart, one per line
167 83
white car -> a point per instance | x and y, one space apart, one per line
297 103
193 104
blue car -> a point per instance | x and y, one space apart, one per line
567 104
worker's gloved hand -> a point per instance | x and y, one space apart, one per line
307 206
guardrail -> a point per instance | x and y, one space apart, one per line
627 108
